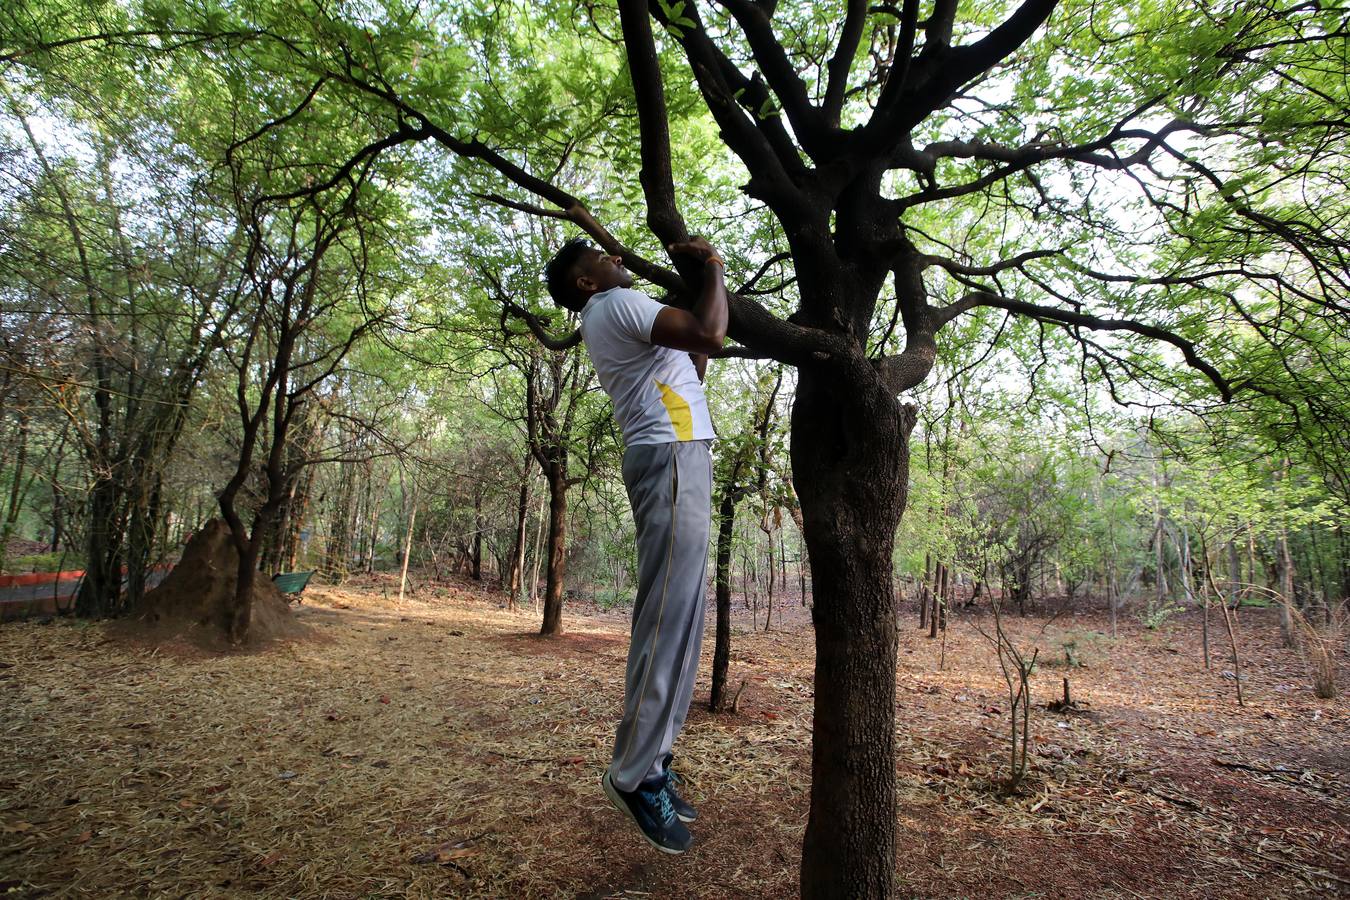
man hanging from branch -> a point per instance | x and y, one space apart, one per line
635 344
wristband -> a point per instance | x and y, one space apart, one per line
716 259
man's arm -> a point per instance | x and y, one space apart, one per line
700 361
703 329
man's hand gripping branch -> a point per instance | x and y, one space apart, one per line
702 329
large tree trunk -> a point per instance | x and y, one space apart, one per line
281 544
557 550
101 588
239 615
142 527
850 462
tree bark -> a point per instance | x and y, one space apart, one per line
100 589
924 589
407 547
726 523
516 576
1285 566
337 559
477 570
557 550
16 487
850 465
768 612
937 592
538 554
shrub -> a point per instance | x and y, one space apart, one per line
1156 613
40 562
1319 643
1080 649
608 598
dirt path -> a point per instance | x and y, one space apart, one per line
443 730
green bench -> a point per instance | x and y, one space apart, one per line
291 583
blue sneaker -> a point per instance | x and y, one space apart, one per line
683 810
650 808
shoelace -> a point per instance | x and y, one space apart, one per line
667 811
663 802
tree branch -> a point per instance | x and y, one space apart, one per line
535 325
403 135
1021 158
781 74
771 182
519 206
841 63
571 207
942 70
907 369
1015 262
658 184
749 285
1082 320
937 28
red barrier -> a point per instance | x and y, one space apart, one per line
28 578
27 596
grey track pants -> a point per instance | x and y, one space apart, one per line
670 489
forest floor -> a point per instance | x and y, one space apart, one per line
438 748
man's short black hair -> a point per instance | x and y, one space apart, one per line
560 276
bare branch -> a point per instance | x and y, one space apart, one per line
519 206
1072 319
748 141
176 39
781 74
366 154
941 70
658 185
749 285
1018 159
1015 262
536 326
841 63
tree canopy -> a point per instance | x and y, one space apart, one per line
1067 203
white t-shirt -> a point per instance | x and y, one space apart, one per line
657 396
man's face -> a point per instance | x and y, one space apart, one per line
598 272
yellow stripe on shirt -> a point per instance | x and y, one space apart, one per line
681 417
